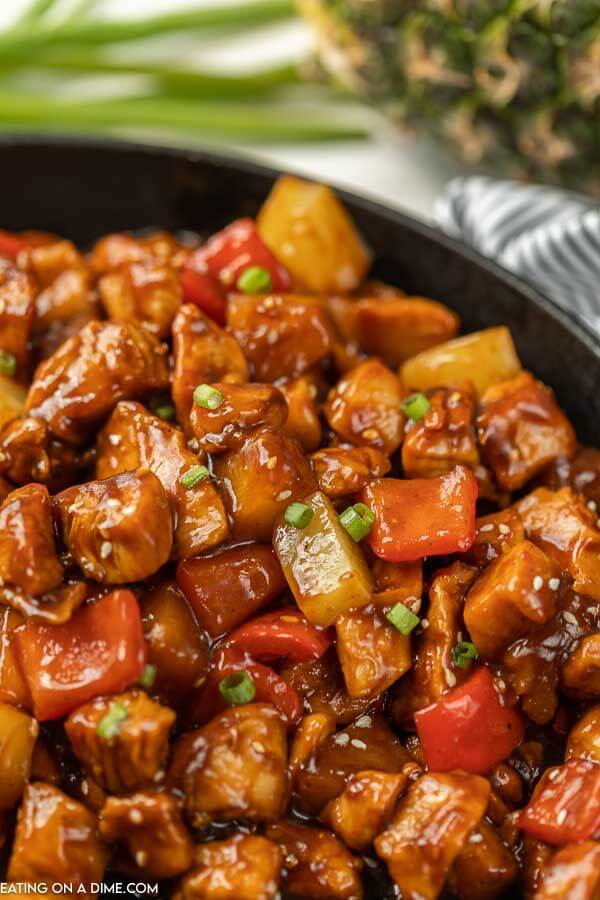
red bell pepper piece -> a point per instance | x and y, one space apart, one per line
213 269
101 650
565 806
421 517
225 588
284 633
469 728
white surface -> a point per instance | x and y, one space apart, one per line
399 169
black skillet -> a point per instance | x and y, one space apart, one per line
83 188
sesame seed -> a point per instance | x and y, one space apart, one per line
554 584
538 583
488 527
271 462
359 745
283 495
569 617
114 439
141 857
561 817
364 722
503 529
476 838
341 739
450 678
258 747
85 788
425 623
553 774
592 505
136 817
105 549
501 684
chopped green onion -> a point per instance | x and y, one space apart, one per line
402 618
8 363
358 521
298 515
110 725
254 280
237 689
193 476
148 677
416 406
464 653
208 397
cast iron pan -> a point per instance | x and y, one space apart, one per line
82 188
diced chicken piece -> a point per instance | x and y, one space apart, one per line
483 358
54 607
310 232
367 744
341 471
323 565
116 250
443 438
316 864
17 308
266 474
226 588
67 298
572 873
148 294
18 733
397 328
281 335
105 362
364 807
55 840
365 407
531 665
242 867
521 430
429 831
562 525
485 868
119 529
584 738
582 473
303 422
241 409
176 646
516 594
133 437
398 583
28 558
133 752
150 826
203 353
12 399
496 534
434 671
13 687
372 652
312 731
23 451
47 261
321 685
233 767
580 673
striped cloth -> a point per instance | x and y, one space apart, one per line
549 237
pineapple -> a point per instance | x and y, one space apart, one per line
513 85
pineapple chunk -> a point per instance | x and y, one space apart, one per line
324 568
482 358
12 399
310 232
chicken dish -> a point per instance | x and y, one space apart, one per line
299 585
